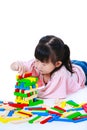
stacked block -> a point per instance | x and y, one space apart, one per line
26 89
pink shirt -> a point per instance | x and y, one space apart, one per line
62 82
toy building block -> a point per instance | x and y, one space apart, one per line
72 103
46 119
74 115
60 108
65 114
80 120
75 109
63 104
64 120
85 107
26 90
34 119
6 120
39 119
16 105
24 113
37 108
11 112
2 109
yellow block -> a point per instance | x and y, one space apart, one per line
22 101
6 120
63 104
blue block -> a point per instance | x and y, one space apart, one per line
64 120
11 113
41 113
80 120
1 102
33 86
75 109
54 117
2 109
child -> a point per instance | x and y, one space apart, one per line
54 68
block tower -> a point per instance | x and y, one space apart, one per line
26 90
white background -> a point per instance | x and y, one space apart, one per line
24 22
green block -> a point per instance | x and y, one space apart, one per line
18 109
83 115
39 101
28 81
35 118
31 93
72 103
20 94
74 115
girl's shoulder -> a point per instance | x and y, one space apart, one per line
62 72
77 68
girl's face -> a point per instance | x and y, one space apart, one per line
44 68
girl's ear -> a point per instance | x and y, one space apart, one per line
58 63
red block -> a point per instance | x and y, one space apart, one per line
85 107
27 75
16 90
59 108
18 105
45 120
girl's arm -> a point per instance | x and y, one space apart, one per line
22 67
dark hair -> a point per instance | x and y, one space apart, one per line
53 48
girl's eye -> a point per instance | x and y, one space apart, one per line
44 64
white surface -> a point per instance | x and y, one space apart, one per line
79 97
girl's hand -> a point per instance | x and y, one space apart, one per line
17 66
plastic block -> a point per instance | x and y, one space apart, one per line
36 102
80 120
18 105
11 112
35 118
64 120
59 108
2 109
72 103
45 120
85 107
74 115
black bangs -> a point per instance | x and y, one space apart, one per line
42 53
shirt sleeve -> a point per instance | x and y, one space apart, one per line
28 65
